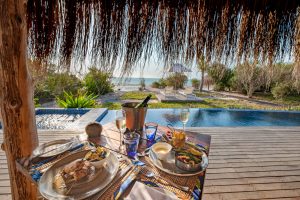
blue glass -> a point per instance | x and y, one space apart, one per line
131 141
150 130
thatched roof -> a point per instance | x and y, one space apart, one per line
130 30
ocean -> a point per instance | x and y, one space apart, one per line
136 81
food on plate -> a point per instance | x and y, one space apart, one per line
190 156
96 154
73 173
178 139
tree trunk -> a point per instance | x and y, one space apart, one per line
202 80
16 97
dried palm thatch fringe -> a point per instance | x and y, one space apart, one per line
107 31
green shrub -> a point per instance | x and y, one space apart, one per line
55 84
195 83
80 100
281 90
155 84
221 76
98 82
177 80
36 102
162 83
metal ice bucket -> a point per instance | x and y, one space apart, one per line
135 117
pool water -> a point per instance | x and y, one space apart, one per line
218 117
55 118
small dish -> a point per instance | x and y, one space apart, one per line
97 157
162 150
189 159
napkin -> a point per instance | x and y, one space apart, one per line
143 192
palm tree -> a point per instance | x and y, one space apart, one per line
202 66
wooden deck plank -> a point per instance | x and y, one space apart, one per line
248 181
256 195
252 187
245 162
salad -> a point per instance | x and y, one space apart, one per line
189 156
97 154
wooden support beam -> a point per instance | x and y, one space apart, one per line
16 96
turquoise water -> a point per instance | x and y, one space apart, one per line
218 117
136 81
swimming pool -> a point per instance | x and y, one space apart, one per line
218 117
57 118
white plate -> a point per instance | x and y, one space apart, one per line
83 190
52 148
169 166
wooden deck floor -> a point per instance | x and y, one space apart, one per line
245 163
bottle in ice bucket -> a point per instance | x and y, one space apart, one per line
144 103
135 115
131 141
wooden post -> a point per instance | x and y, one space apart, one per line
16 96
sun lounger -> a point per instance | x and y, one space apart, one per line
188 93
168 92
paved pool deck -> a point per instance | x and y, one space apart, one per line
244 162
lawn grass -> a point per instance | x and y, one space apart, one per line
288 101
208 103
137 95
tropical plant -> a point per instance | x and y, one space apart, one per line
98 82
177 80
195 83
80 100
36 102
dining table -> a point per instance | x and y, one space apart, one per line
110 139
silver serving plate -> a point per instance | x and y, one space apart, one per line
100 180
52 148
169 165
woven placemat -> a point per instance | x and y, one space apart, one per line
184 181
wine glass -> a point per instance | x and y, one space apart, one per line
121 125
184 116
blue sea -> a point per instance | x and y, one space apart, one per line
136 81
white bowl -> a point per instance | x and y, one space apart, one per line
99 164
161 150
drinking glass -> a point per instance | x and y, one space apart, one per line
131 141
150 129
184 116
121 125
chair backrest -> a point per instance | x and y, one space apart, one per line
169 88
189 90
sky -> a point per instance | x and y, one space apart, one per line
155 69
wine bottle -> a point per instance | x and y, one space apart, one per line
144 103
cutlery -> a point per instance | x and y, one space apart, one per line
42 163
151 174
126 181
119 176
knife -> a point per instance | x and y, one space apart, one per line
119 176
127 182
